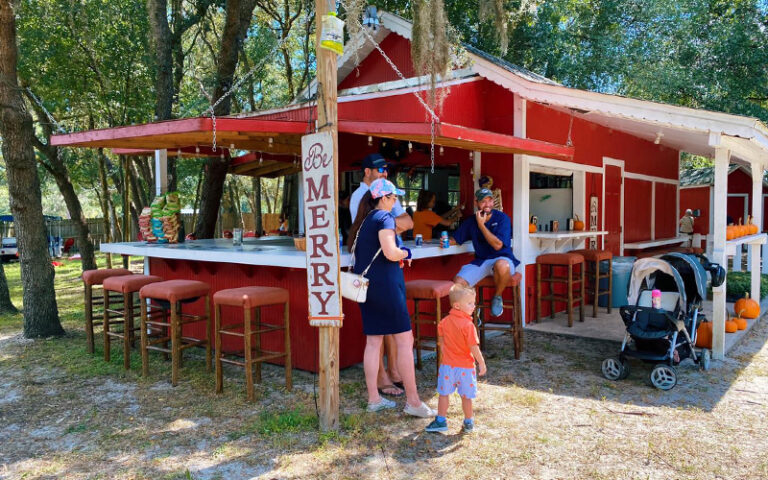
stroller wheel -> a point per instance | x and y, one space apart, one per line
624 369
613 369
663 377
705 358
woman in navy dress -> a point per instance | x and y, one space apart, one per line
385 311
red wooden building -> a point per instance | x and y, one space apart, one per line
553 151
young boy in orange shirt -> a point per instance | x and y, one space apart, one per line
459 347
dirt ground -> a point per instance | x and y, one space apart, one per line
549 415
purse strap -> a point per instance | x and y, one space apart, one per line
354 244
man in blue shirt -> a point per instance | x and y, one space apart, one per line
491 234
374 168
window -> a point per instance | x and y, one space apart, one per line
412 182
453 190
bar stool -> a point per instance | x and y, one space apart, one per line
426 291
560 260
592 260
126 286
91 279
170 294
515 327
250 298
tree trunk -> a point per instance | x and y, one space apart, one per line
256 182
41 314
238 19
105 203
6 306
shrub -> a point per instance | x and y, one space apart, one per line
739 283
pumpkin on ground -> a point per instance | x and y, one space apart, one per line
704 335
747 307
741 323
731 326
578 225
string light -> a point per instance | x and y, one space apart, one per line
370 141
441 150
410 147
197 148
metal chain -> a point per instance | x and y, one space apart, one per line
237 84
433 117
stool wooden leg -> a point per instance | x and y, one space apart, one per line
257 370
175 344
610 284
208 333
438 353
286 322
89 318
596 288
482 316
417 325
127 329
105 326
582 296
570 295
516 322
538 292
217 335
143 333
248 351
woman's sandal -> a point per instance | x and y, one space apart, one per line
399 385
387 390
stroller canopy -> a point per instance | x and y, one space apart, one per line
683 273
644 270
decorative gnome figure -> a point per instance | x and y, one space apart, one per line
486 181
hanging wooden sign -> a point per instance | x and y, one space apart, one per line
321 224
593 220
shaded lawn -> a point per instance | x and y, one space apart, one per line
67 414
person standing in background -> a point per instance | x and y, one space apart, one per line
686 226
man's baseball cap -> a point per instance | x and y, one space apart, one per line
382 187
482 193
374 160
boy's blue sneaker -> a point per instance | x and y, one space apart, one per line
497 306
437 426
468 427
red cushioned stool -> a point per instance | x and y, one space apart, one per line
592 261
567 260
126 286
483 307
250 299
426 291
92 281
170 295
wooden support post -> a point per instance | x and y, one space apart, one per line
161 172
521 244
722 159
327 121
126 205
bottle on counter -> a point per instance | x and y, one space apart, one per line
444 241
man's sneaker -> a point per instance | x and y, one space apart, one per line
468 427
381 405
497 306
437 426
422 410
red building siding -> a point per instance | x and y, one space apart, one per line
374 69
666 218
637 210
696 198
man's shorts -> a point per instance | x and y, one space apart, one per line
462 380
474 273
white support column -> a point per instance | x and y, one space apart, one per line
521 199
737 259
161 171
722 159
757 219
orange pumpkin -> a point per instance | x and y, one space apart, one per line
752 227
741 323
730 232
578 225
742 229
747 307
531 228
731 326
704 335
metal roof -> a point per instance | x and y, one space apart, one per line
699 177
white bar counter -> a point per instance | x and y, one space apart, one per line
555 241
272 251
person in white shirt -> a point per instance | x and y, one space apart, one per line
375 167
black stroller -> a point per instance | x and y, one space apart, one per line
667 335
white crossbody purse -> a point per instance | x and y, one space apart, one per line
354 286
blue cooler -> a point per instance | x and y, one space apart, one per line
622 272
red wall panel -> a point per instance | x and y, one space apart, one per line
637 211
374 69
693 198
666 217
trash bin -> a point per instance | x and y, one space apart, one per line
622 271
